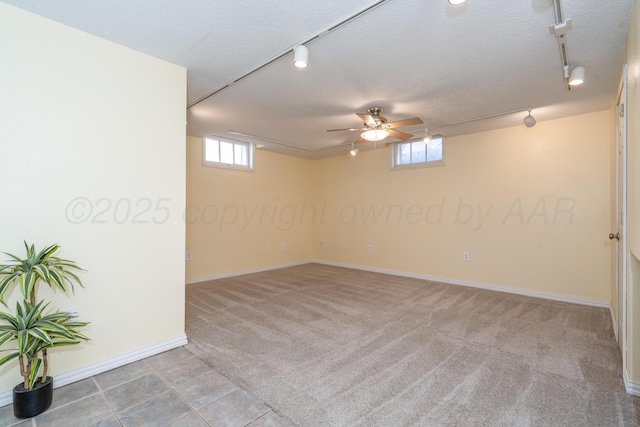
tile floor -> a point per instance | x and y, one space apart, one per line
173 388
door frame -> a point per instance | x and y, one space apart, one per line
620 328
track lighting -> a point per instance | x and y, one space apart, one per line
529 121
427 137
301 56
354 150
577 76
559 29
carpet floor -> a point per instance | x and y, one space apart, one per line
330 346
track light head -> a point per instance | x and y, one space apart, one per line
301 56
427 137
354 151
577 76
529 121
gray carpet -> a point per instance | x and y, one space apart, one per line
329 346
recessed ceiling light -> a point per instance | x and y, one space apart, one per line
454 2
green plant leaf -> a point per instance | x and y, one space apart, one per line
27 281
64 343
33 374
52 327
15 258
44 265
40 334
41 270
23 343
74 325
9 319
31 313
57 279
8 358
5 337
5 282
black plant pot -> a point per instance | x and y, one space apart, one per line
29 403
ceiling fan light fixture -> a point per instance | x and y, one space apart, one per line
577 76
374 134
529 121
301 56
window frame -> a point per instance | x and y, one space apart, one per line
250 149
416 165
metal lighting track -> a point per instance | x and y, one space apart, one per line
559 29
285 52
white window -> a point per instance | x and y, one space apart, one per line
416 153
228 154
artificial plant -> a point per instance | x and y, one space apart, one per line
34 330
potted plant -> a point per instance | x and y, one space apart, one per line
32 327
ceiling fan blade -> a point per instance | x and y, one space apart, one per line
407 122
340 130
366 118
400 135
360 140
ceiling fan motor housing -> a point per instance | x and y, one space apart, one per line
379 120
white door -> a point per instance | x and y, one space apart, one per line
621 233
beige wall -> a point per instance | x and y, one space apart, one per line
88 130
238 220
530 205
633 191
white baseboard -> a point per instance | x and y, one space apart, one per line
6 397
632 388
535 294
614 322
242 272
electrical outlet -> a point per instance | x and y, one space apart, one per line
370 248
465 256
72 311
188 256
284 246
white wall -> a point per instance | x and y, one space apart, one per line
92 143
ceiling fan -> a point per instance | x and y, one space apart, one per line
375 127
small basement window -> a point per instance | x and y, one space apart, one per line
415 153
228 154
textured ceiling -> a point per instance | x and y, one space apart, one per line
442 63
